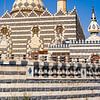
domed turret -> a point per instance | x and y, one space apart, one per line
26 6
93 27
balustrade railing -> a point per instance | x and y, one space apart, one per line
71 70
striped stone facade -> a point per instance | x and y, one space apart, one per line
21 28
45 56
81 50
71 81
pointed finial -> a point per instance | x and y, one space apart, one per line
94 27
75 7
93 14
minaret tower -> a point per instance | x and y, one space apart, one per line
61 5
93 28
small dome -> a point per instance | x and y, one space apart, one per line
93 37
93 27
27 6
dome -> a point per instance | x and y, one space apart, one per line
27 5
93 37
93 27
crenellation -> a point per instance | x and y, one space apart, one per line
85 42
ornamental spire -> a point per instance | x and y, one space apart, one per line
93 15
94 27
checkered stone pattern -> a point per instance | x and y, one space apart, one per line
39 7
27 4
20 4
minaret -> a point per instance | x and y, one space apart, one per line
93 28
61 5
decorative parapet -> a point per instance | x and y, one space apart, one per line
69 43
84 42
36 69
64 70
59 46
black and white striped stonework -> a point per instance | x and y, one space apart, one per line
51 89
21 28
72 81
46 69
79 49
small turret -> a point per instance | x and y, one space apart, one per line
61 5
93 28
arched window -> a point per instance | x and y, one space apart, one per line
95 58
5 30
35 30
59 29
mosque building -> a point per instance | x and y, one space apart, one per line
45 56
